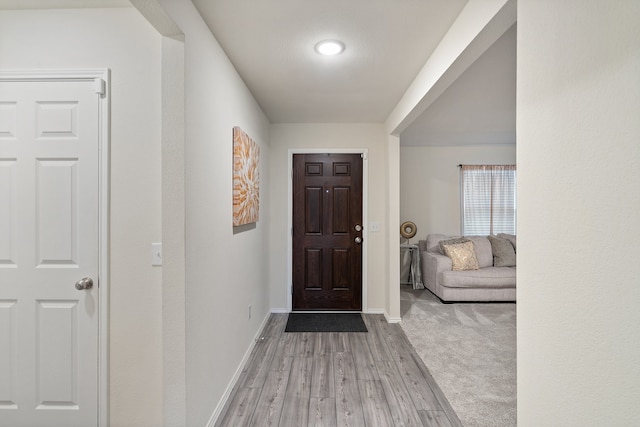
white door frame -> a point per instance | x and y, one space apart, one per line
101 79
365 216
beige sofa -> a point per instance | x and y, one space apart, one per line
487 283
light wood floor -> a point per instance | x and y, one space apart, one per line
336 379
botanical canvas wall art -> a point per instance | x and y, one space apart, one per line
246 178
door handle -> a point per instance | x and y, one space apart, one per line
358 239
84 283
358 227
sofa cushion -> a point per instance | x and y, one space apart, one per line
491 277
503 253
483 250
463 256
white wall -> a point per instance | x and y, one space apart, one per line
89 39
327 136
578 136
173 234
430 183
392 261
225 272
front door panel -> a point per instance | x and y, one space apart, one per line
327 244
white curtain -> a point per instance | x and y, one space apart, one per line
488 199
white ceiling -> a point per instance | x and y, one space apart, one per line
478 108
271 43
61 4
387 42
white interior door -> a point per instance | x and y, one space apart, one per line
49 240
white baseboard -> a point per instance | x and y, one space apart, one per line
386 315
280 310
236 375
391 319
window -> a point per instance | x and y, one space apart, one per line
488 199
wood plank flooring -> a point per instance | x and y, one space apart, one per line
336 379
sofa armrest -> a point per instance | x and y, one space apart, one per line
432 265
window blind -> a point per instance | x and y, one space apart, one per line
488 199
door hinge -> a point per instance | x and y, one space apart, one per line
363 156
99 86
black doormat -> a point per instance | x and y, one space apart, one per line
325 322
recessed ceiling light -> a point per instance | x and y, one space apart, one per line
329 47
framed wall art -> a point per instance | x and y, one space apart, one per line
246 178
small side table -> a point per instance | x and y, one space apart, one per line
416 276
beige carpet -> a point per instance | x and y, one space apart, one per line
470 349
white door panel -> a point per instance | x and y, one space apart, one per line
49 240
8 231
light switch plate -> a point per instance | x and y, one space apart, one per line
156 254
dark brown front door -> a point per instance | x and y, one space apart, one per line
327 232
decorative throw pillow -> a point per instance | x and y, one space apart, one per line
510 237
433 242
503 253
451 241
463 256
